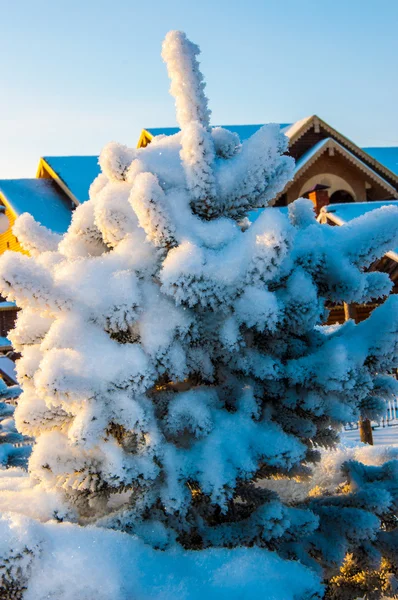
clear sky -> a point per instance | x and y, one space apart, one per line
76 74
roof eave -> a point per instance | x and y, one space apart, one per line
8 204
353 147
145 138
299 128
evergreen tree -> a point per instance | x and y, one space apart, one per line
173 354
14 447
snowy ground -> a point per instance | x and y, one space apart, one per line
387 436
381 436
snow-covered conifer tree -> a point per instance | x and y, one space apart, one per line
173 355
14 447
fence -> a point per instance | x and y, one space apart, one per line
390 419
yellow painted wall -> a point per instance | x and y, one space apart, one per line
8 241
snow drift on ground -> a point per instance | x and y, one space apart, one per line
77 563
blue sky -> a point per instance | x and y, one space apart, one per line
76 74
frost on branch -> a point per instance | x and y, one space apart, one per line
115 161
253 177
172 359
197 155
83 237
33 237
149 204
187 83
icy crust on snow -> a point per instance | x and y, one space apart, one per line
173 354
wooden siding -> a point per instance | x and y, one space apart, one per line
7 321
389 266
8 241
336 314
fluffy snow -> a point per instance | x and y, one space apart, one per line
70 561
73 562
173 355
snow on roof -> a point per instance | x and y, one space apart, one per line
387 156
352 210
77 172
244 131
293 128
6 305
42 198
154 131
7 367
310 153
5 343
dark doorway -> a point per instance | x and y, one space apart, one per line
341 197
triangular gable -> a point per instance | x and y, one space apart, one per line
294 130
331 145
303 127
73 174
145 138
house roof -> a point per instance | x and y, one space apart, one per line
352 210
386 155
7 368
5 344
42 198
330 144
6 305
300 128
244 131
76 172
383 160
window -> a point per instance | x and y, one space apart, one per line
341 197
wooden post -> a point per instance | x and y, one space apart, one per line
350 312
365 431
364 425
320 197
